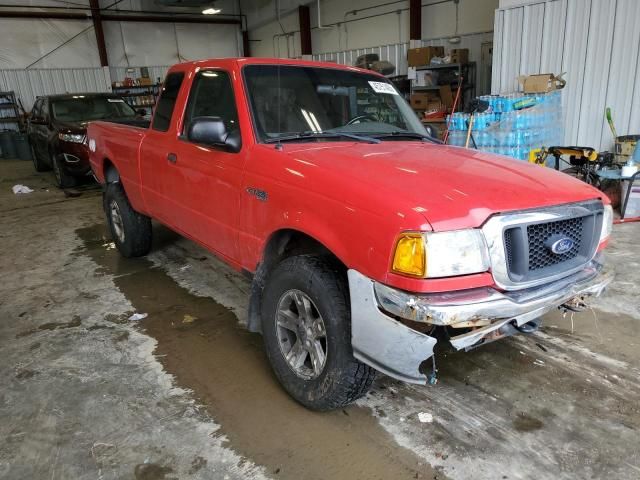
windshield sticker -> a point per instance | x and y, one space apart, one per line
115 100
382 87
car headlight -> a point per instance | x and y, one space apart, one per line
607 223
71 137
441 254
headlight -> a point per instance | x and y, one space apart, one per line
441 254
71 137
607 223
459 252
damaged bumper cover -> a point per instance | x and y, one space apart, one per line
388 345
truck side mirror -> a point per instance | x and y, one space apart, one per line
211 131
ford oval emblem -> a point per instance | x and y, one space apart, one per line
561 245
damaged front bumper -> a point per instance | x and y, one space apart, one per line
382 341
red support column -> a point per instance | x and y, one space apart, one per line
97 26
415 20
304 18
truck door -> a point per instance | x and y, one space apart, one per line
211 177
158 173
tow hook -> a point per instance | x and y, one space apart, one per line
576 304
528 327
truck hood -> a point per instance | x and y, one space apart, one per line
452 187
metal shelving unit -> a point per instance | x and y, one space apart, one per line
9 113
139 95
466 71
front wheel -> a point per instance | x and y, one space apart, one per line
63 179
38 165
306 325
131 231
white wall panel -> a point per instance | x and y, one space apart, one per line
29 84
596 71
498 46
511 49
553 34
596 42
531 55
623 69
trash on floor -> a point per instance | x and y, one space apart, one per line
425 417
21 189
138 316
188 319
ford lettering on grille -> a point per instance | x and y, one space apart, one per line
559 244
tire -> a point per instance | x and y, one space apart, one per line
315 283
63 179
38 165
130 230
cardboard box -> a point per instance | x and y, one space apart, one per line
446 95
459 55
144 81
417 57
542 83
432 100
419 101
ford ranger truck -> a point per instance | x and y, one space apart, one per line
363 236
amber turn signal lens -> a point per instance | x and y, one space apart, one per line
410 257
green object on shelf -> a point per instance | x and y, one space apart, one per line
524 103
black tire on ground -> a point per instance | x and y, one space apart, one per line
342 378
38 164
63 179
130 230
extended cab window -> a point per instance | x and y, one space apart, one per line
212 96
167 101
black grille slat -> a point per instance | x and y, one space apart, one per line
509 246
539 255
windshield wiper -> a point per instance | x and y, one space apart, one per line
399 134
310 135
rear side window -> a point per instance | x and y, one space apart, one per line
167 101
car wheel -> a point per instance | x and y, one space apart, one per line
131 231
38 165
306 324
63 179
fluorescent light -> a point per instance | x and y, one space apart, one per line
211 11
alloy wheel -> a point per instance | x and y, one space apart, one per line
301 334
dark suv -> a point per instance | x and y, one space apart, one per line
57 131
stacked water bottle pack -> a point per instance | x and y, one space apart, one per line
513 125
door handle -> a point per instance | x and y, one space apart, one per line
172 157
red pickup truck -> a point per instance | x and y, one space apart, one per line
364 237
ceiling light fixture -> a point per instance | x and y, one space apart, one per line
211 11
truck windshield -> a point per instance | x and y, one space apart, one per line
81 108
313 102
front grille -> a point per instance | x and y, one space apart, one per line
540 256
527 246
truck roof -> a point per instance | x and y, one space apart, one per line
241 61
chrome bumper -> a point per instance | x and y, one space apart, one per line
386 344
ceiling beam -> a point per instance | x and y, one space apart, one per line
119 17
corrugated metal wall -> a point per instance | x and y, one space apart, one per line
596 42
29 84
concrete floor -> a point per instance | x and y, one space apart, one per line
186 393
